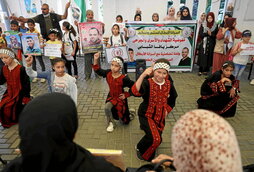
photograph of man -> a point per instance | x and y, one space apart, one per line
94 36
31 48
14 43
185 61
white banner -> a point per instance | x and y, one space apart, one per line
117 51
248 49
53 50
173 41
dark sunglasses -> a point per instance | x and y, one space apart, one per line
43 8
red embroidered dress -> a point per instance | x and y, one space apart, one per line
158 101
215 95
116 87
16 95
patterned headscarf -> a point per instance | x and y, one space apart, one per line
203 141
8 52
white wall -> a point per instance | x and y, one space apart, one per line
243 10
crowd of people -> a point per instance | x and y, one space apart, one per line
44 150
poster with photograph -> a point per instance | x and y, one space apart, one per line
116 51
91 36
13 39
31 44
174 41
53 50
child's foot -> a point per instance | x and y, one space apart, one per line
110 127
34 80
252 82
76 76
139 156
43 80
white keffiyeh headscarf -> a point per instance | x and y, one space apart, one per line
7 52
203 141
161 65
119 61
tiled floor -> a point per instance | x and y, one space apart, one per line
92 127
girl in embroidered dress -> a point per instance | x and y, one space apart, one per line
18 88
116 103
219 91
159 96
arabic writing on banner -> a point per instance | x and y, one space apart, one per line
248 49
53 50
173 41
91 36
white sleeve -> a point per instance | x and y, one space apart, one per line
74 90
73 37
124 41
109 40
30 72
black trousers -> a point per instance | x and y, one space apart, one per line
39 58
151 140
73 63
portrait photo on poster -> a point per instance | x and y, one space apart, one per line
91 36
31 44
13 39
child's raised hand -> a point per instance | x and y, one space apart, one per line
225 80
148 71
96 56
29 60
122 96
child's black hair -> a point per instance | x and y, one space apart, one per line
15 22
117 27
136 16
120 16
56 60
31 21
228 64
1 30
120 59
130 49
69 27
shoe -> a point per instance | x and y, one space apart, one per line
199 73
34 80
139 156
110 127
252 82
132 114
43 80
205 73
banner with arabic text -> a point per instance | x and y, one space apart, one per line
173 41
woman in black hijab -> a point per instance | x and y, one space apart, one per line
47 128
185 13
